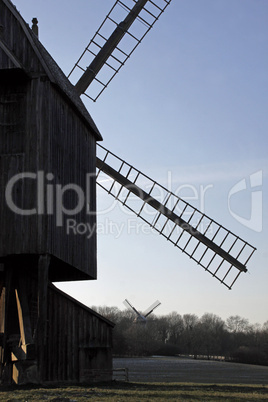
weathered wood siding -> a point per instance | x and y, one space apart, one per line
43 131
79 341
47 135
2 319
72 160
15 37
74 344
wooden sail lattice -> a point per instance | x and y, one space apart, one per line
114 42
219 251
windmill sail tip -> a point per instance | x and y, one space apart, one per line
107 53
212 246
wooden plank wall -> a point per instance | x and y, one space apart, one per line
41 130
55 141
2 321
71 151
78 343
75 346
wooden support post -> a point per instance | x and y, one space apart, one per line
23 313
2 319
8 280
23 354
43 267
26 349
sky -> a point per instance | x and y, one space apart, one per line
189 109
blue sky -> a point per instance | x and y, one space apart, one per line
190 105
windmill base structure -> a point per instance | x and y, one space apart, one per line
46 335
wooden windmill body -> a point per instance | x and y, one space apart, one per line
48 174
47 136
48 131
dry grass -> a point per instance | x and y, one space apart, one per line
117 391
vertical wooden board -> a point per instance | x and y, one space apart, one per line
37 158
43 267
69 343
54 338
33 301
2 324
58 333
72 342
58 336
50 323
75 344
61 341
24 314
80 345
48 349
65 340
13 110
2 310
11 239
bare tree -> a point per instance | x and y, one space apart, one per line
235 324
211 335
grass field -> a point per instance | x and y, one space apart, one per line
180 370
138 392
160 379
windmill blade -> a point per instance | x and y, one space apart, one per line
219 251
151 308
127 23
129 305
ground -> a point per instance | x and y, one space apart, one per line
174 369
159 379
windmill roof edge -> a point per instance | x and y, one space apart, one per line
78 303
53 71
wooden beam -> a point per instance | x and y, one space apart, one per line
23 312
11 56
168 213
2 325
8 287
108 48
24 352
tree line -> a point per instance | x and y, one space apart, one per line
173 334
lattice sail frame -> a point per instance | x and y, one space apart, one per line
131 39
219 251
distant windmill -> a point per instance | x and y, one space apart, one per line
142 317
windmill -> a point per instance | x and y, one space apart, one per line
44 125
142 317
218 250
